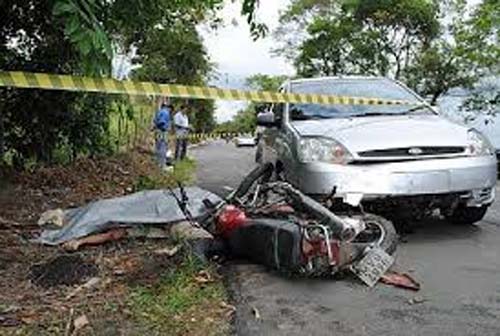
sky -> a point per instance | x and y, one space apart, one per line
237 56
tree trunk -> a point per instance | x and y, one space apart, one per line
435 96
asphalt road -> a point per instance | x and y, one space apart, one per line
458 267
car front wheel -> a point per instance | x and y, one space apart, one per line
463 215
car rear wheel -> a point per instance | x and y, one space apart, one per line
464 215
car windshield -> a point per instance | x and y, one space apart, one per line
364 88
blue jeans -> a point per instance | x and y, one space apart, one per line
161 147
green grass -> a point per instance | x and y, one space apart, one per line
177 304
183 172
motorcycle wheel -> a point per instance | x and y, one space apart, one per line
379 231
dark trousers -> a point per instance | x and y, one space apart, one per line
180 148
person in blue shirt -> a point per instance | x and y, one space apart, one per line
162 124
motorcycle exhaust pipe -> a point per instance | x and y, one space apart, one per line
343 228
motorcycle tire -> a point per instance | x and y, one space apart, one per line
390 237
262 172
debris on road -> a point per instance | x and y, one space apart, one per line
62 270
256 313
402 280
416 300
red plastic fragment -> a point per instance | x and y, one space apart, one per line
402 280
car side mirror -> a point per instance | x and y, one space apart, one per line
266 119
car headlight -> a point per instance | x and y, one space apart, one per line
478 144
313 149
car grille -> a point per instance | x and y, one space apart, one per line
409 152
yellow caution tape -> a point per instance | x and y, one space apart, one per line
212 135
108 85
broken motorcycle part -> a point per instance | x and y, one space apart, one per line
402 280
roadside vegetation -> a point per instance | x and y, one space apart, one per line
187 300
140 288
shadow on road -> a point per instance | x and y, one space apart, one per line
438 230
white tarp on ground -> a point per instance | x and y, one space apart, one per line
146 207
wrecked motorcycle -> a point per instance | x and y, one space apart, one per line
274 224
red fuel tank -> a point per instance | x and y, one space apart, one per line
230 219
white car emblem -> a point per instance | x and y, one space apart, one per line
415 151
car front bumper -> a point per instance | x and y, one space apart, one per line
356 182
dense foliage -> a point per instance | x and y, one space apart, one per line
431 45
34 123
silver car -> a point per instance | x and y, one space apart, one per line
393 159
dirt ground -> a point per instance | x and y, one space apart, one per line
121 288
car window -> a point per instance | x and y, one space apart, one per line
364 88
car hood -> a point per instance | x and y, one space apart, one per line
384 132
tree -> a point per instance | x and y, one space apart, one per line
484 100
466 51
357 36
173 55
186 63
431 45
96 26
36 122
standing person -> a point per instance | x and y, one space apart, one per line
181 124
161 124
